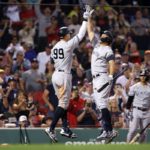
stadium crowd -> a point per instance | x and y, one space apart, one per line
28 31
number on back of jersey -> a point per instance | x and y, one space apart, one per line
58 53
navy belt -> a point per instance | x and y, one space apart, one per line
97 75
61 70
140 108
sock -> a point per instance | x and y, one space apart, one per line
58 114
106 119
64 120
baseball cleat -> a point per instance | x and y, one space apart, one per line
52 135
67 133
107 136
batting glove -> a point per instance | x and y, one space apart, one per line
88 12
86 15
129 114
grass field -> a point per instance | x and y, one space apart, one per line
75 147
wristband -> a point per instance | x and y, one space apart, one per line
111 76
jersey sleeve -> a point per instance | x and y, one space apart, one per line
131 91
74 42
110 55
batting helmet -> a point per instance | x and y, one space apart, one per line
144 72
109 37
63 31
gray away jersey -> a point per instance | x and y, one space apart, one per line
100 56
62 54
141 95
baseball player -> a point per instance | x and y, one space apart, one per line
102 68
139 99
61 55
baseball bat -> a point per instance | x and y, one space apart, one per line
107 83
138 135
84 3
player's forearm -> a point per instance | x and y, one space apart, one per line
82 30
111 67
90 29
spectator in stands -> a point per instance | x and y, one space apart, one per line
46 122
4 105
20 64
123 79
83 54
20 105
44 57
5 34
44 20
75 104
35 117
76 70
12 11
146 61
74 25
112 17
141 29
49 69
119 97
125 59
74 12
52 30
87 92
123 24
140 26
27 11
50 99
1 82
13 48
87 117
30 52
11 91
7 72
102 19
27 33
132 49
32 79
3 59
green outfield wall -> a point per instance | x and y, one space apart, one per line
38 136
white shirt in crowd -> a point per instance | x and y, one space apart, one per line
14 49
12 13
43 58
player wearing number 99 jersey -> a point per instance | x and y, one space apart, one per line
61 55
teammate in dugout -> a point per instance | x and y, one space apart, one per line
139 100
61 55
102 67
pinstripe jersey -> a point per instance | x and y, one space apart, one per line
62 54
141 95
100 56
